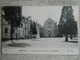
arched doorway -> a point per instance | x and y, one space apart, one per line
49 33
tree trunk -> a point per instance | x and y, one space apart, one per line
71 36
31 35
16 32
66 37
11 33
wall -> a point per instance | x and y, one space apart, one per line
49 28
7 26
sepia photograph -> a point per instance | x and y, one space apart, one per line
39 30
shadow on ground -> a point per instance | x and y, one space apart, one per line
18 45
71 41
75 39
36 40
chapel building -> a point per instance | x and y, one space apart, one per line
50 28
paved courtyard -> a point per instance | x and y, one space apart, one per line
42 43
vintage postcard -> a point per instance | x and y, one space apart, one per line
40 30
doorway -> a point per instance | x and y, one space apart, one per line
49 33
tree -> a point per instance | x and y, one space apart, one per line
12 14
73 26
34 31
67 22
31 28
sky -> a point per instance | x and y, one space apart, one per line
42 13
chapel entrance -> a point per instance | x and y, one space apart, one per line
49 33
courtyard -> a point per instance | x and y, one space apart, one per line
41 43
41 46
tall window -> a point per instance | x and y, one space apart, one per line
49 25
23 32
6 30
21 25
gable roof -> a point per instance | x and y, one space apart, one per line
4 21
49 19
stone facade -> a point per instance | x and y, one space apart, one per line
23 30
19 32
5 29
50 28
